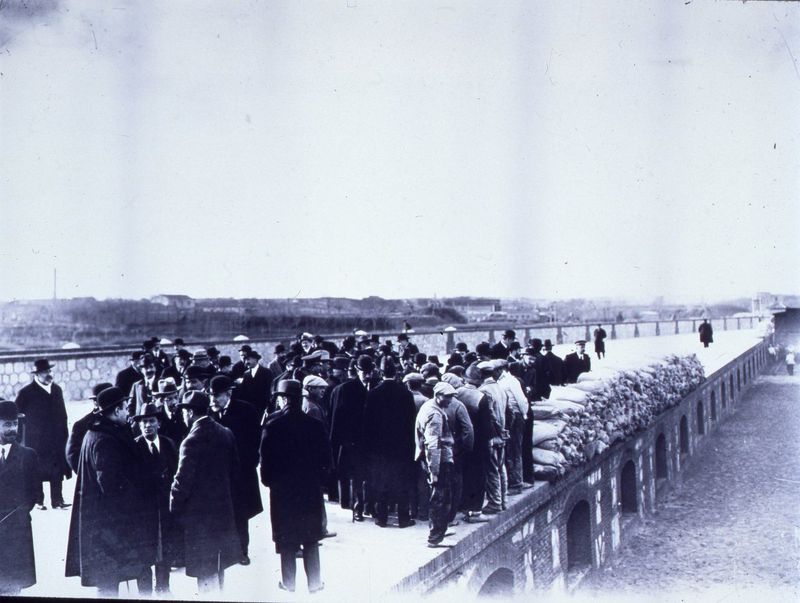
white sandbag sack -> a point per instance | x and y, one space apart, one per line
542 431
570 394
547 457
589 386
558 424
544 411
568 408
554 445
545 473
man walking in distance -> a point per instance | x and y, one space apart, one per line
243 420
295 455
600 341
42 403
161 461
114 540
201 498
19 489
706 333
435 447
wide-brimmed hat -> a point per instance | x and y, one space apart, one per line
109 398
9 411
148 410
42 364
289 388
166 387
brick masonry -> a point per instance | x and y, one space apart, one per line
551 536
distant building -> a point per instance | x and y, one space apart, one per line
473 308
182 302
787 327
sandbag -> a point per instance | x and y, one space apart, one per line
544 411
569 408
547 457
570 394
558 424
553 445
589 386
590 376
545 472
542 431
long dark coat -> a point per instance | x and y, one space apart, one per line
19 487
554 369
388 436
256 390
347 415
127 377
295 455
110 535
202 499
75 440
172 427
46 428
244 422
160 470
706 332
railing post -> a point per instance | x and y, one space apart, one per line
613 331
559 335
586 335
658 328
694 326
751 322
636 329
527 336
724 323
677 328
450 344
739 324
491 336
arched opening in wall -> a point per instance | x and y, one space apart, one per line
579 537
738 380
684 439
722 393
627 488
713 405
701 418
744 374
661 457
499 584
733 391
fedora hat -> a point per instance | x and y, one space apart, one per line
41 365
148 410
289 388
166 387
195 399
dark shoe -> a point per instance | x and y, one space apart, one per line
526 486
328 534
381 524
514 491
453 523
490 511
476 519
282 587
446 534
42 507
407 524
311 591
434 542
62 505
358 516
245 560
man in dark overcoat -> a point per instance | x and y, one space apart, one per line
114 537
160 464
201 498
170 419
295 455
79 429
388 439
132 373
600 335
577 362
256 383
42 403
706 333
244 422
553 365
347 412
19 489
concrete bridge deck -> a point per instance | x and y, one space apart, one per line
363 562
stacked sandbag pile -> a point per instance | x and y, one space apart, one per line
585 418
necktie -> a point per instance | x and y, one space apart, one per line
153 448
2 456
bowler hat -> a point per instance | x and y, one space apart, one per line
509 334
402 337
484 348
184 354
548 345
245 348
9 411
195 372
253 354
220 384
420 358
435 360
136 355
41 365
179 341
462 347
365 363
200 355
341 363
109 398
195 399
148 410
291 388
213 352
98 388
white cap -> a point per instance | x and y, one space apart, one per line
444 388
314 381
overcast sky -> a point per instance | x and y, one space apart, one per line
354 148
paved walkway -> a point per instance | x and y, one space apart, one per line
732 531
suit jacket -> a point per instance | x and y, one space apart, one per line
244 422
46 428
554 369
202 497
19 488
141 393
159 471
574 366
499 351
238 370
256 390
127 377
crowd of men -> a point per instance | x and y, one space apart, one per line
168 460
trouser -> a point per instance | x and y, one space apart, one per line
56 495
145 581
456 488
790 369
527 450
422 494
513 460
243 529
351 493
441 500
386 497
310 563
496 479
108 587
705 344
473 482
